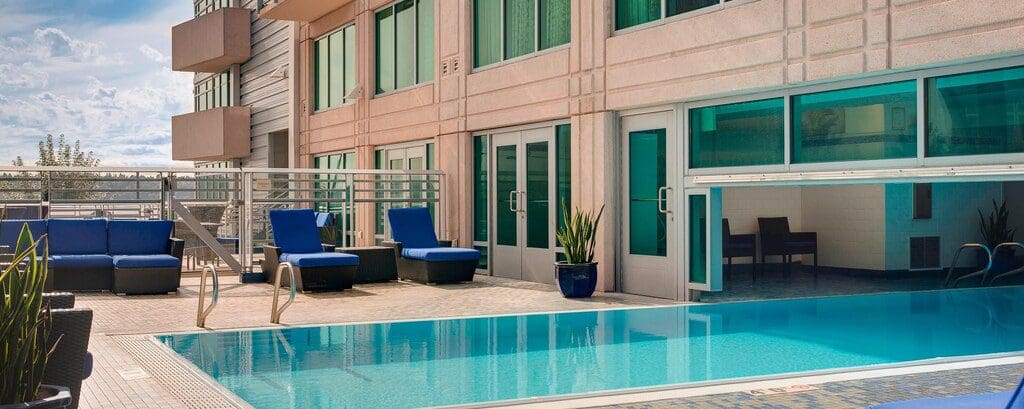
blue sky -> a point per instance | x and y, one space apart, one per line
96 70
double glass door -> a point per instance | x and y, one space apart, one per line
523 212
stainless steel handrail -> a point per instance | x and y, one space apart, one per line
275 313
982 272
201 313
1011 272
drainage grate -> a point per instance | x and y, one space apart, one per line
182 381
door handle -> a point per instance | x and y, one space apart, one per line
663 200
519 203
511 200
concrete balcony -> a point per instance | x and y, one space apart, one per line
211 42
213 134
300 10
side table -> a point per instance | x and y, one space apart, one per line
376 263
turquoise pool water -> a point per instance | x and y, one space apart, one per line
456 361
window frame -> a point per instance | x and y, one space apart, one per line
665 19
233 97
415 47
536 38
315 80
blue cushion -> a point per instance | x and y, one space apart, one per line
442 254
146 261
88 261
138 236
77 236
413 227
321 259
10 229
324 219
986 400
295 231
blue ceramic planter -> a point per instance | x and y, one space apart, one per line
576 280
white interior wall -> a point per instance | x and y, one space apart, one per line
850 222
954 218
742 206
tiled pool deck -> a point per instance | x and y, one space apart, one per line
130 371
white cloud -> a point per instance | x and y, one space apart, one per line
25 75
154 54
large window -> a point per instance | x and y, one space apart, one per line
976 113
213 92
505 29
742 134
873 122
405 44
208 6
629 13
335 65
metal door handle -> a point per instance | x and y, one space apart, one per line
511 199
519 203
663 199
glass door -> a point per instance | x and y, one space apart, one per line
703 239
508 255
648 213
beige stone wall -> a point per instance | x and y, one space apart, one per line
747 46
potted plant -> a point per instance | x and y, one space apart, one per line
577 275
24 330
995 230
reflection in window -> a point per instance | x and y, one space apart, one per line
976 113
742 134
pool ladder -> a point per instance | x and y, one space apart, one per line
982 272
202 313
275 313
1011 272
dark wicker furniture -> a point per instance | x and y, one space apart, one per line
777 240
376 263
316 266
70 361
737 245
420 256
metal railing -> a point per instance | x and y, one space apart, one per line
359 199
1018 270
982 272
275 313
202 313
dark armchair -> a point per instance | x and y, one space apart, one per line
316 266
777 240
420 256
737 245
70 328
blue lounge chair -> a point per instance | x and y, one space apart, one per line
296 241
423 258
998 400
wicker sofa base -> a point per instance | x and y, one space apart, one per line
80 279
146 280
435 272
309 278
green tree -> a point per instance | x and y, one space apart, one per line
61 185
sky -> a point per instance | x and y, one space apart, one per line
95 70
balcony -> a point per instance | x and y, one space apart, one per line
212 41
214 134
299 10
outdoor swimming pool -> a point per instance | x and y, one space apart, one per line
474 360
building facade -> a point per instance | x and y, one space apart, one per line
654 109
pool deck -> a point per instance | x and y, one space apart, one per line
133 372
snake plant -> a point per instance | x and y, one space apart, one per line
995 230
24 322
578 234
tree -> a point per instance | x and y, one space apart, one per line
62 185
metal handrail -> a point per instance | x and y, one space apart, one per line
982 272
1011 272
201 313
275 313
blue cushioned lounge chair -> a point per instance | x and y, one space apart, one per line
420 256
296 241
146 259
998 400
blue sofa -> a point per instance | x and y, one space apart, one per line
420 256
122 256
316 266
998 400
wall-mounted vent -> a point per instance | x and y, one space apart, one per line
924 253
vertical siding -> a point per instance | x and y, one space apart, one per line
265 92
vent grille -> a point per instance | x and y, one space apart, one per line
924 253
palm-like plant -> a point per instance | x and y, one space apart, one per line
995 230
24 322
578 234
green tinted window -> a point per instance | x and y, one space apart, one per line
480 188
528 26
505 184
673 7
647 176
519 28
405 44
482 263
335 64
563 169
554 23
874 122
537 216
629 13
698 239
213 92
976 113
743 134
